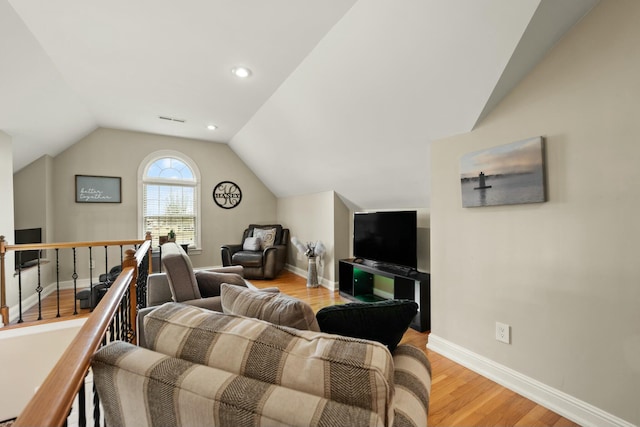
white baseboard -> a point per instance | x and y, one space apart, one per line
560 402
303 273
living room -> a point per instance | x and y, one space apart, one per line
561 273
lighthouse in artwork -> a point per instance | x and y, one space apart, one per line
481 182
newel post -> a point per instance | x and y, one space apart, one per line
148 237
130 261
4 310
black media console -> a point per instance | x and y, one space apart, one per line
407 284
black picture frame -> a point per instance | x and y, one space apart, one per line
98 189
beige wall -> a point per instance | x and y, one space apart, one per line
342 233
6 206
310 218
32 190
564 274
112 152
31 198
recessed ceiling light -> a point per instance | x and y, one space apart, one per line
241 72
212 127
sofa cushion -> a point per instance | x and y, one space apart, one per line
251 244
346 370
277 227
138 387
266 236
278 309
209 282
384 321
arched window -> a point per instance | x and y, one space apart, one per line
170 189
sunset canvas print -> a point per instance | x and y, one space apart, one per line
504 175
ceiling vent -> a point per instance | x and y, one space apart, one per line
171 119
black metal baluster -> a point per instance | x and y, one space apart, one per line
96 399
39 291
123 316
75 283
130 333
117 319
112 328
58 280
90 279
20 287
82 408
106 265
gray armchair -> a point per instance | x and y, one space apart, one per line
260 261
181 283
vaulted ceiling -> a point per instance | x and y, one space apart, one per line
344 95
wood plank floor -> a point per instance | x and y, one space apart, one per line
459 396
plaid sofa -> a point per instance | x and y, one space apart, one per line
208 368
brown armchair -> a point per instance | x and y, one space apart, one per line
262 251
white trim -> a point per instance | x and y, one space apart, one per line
560 402
325 283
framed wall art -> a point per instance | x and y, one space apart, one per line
227 194
504 175
98 189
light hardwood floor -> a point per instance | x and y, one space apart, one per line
459 396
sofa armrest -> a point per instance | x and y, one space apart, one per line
412 381
142 313
274 260
235 269
227 252
158 290
209 282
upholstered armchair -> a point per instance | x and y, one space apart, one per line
262 251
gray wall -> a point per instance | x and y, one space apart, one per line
564 274
112 152
6 207
310 218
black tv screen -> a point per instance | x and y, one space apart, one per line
24 236
386 237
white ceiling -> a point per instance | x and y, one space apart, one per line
344 96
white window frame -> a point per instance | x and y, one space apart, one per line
142 180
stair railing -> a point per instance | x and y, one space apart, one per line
112 319
74 248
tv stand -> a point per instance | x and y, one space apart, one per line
408 284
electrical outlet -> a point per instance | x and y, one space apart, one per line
503 333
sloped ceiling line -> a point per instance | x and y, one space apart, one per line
350 92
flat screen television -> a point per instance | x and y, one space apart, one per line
388 237
24 236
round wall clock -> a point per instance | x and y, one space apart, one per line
227 195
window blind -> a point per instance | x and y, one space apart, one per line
170 207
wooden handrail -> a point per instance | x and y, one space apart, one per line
4 248
51 404
71 245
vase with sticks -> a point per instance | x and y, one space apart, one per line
313 251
